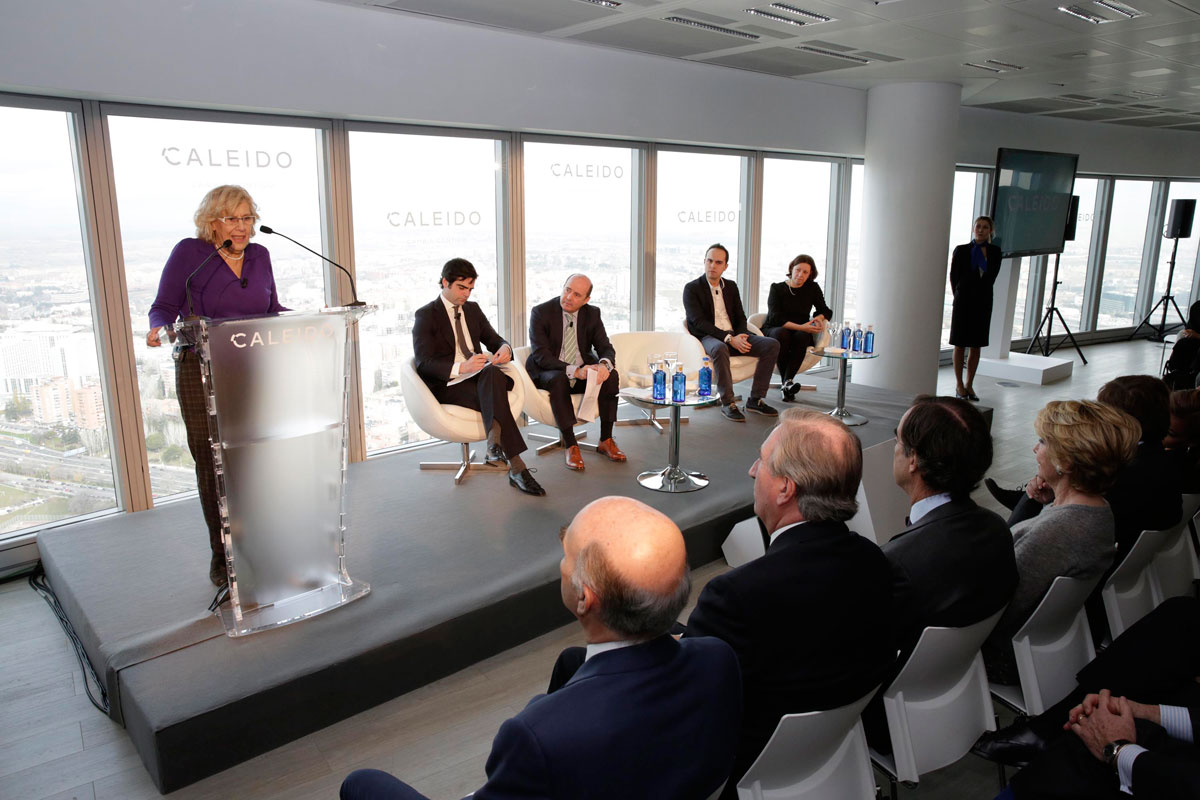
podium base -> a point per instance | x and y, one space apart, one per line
294 609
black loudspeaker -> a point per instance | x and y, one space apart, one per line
1179 224
1072 219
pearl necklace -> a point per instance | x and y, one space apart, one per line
231 257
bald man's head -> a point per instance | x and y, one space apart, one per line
624 569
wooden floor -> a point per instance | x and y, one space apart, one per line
54 744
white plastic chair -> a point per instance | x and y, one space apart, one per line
632 350
1051 647
1174 567
744 543
1127 594
814 756
453 423
939 704
537 406
755 323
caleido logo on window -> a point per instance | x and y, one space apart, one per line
706 216
425 218
565 169
185 156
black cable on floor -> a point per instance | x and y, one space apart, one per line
38 582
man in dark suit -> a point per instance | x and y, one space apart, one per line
953 565
568 341
715 317
809 619
645 717
446 344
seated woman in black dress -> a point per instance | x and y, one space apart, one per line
789 318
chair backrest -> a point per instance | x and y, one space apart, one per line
1127 593
939 704
816 755
431 416
1054 643
632 349
756 320
1174 566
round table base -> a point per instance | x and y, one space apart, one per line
847 418
673 479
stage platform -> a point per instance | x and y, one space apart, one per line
457 574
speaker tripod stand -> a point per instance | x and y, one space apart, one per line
1048 322
1167 299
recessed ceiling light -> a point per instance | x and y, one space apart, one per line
605 3
833 54
983 66
800 12
704 26
775 17
1082 13
1129 12
1144 93
1003 64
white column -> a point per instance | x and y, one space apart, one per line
912 136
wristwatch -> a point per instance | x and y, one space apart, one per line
1112 750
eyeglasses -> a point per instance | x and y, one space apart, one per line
249 220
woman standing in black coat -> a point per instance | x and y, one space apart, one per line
789 318
973 271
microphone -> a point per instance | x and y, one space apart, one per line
357 302
187 285
245 282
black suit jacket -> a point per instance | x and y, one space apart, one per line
1145 496
546 336
1169 771
953 568
433 339
698 306
656 721
809 622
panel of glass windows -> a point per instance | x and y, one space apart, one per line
163 168
853 245
1072 271
795 219
578 202
699 204
1123 256
55 459
962 230
418 202
1185 259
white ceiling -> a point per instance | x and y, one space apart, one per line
1143 71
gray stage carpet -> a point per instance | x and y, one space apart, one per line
458 573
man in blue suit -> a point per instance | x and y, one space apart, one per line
646 716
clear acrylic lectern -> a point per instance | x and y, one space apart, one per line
276 390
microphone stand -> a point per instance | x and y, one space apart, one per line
357 302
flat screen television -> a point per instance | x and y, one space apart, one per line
1031 199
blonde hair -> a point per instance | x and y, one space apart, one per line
220 202
824 459
1090 440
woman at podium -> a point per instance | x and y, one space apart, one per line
218 274
789 318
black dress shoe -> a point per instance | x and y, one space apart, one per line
1005 497
789 391
495 455
525 482
1016 745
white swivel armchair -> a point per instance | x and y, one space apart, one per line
632 351
537 406
454 423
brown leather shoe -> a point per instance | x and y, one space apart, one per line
609 449
574 458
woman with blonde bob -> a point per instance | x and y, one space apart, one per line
1081 446
219 274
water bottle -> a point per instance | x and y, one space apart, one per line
678 385
705 389
660 383
858 337
869 342
846 336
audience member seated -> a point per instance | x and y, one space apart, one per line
809 620
645 716
1183 366
1081 446
1145 495
1183 439
1157 659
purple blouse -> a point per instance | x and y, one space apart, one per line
216 292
